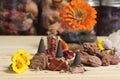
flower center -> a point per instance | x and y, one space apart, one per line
19 65
78 14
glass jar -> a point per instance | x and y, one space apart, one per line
96 5
52 42
109 17
50 13
17 17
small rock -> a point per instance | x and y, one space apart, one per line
107 44
115 39
117 53
77 69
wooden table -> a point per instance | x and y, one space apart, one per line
10 44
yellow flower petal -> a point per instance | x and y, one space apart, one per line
99 44
19 66
23 54
20 60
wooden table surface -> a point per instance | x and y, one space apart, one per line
10 44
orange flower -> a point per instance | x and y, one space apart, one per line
78 15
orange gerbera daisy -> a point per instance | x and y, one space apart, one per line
78 15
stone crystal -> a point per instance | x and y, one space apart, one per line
107 44
115 39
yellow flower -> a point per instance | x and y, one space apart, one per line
99 44
20 60
18 66
23 54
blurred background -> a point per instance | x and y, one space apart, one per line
34 17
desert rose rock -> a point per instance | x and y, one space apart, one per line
107 44
39 60
115 38
58 63
76 66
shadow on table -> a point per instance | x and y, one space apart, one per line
8 71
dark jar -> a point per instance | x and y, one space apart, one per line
52 42
109 17
96 5
17 17
50 14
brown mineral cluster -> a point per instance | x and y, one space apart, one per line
39 60
92 49
92 56
76 66
114 60
90 60
58 63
